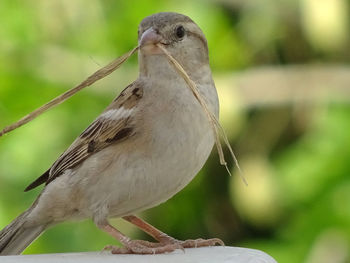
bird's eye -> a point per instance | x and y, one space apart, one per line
180 32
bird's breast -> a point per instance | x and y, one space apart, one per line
172 143
181 137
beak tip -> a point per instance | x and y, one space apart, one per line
150 36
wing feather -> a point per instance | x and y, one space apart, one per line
112 126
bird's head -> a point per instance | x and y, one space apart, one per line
182 38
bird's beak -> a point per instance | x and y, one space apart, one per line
149 39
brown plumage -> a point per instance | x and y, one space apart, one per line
143 149
98 135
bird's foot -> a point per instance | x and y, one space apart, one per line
200 242
144 247
192 243
166 239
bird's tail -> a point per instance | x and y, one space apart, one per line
16 236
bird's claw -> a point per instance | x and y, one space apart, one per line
200 242
146 247
143 247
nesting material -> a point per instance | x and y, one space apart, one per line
99 74
217 128
105 71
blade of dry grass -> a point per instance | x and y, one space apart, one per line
108 69
99 74
217 129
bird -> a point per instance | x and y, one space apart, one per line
145 147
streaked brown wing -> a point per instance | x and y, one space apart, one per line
113 125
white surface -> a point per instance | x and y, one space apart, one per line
193 255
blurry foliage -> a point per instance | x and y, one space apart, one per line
295 157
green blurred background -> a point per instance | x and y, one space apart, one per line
281 69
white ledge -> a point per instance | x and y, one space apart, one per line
192 255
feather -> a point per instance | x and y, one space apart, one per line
112 126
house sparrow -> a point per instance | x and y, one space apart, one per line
146 146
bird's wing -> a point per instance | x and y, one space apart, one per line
112 126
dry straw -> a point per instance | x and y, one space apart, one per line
105 71
99 74
217 128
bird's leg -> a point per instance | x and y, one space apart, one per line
149 229
134 246
166 239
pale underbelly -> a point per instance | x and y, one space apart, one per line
105 187
144 183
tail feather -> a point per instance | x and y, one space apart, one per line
15 237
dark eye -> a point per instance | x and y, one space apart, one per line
180 32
